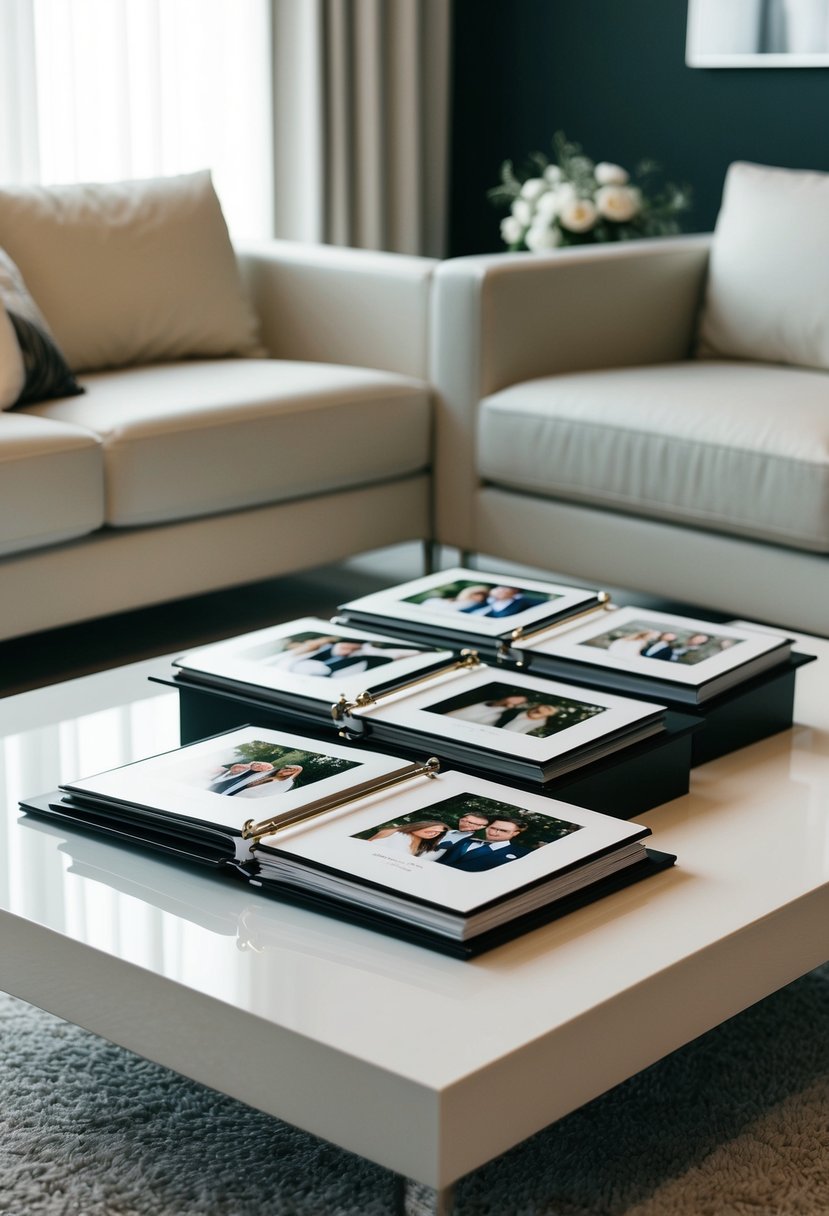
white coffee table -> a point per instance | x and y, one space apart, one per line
319 1023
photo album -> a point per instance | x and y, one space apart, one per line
449 861
398 695
655 654
461 607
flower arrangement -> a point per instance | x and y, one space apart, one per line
573 201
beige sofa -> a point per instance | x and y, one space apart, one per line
172 476
651 415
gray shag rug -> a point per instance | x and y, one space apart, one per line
737 1122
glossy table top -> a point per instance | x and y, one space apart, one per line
745 910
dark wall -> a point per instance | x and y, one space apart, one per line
612 75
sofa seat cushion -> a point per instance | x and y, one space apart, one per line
188 439
739 448
51 483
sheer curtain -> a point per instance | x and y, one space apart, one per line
100 90
361 122
322 120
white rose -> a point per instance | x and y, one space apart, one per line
552 175
580 215
532 187
608 174
522 211
547 205
541 237
511 230
618 203
565 193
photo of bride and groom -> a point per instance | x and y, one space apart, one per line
525 711
262 770
479 599
469 833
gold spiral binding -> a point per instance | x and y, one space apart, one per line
311 810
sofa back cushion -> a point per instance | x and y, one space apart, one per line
766 297
130 272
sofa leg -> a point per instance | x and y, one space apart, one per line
417 1199
431 556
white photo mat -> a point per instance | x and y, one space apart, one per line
415 711
572 645
174 782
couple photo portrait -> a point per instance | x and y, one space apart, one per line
468 832
326 655
645 639
263 770
517 710
468 598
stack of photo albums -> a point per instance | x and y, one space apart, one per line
453 860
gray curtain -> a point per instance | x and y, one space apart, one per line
361 122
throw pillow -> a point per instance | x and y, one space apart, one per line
131 272
12 372
766 296
43 371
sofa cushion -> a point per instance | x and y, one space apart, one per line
44 371
51 483
766 296
189 439
735 447
130 272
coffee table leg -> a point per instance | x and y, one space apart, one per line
417 1199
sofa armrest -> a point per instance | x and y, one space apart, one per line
330 305
505 318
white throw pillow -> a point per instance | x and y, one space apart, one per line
12 372
767 297
131 272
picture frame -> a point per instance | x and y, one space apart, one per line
757 34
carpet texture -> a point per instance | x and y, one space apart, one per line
735 1123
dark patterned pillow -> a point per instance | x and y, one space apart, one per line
47 374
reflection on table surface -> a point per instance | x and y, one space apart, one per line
752 835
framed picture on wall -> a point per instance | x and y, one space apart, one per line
757 33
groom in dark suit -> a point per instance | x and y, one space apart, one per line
498 847
503 601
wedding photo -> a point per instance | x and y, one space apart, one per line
313 653
468 832
479 598
648 639
520 710
258 769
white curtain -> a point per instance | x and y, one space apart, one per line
101 90
361 122
321 120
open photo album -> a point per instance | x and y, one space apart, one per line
423 700
462 607
654 654
453 862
